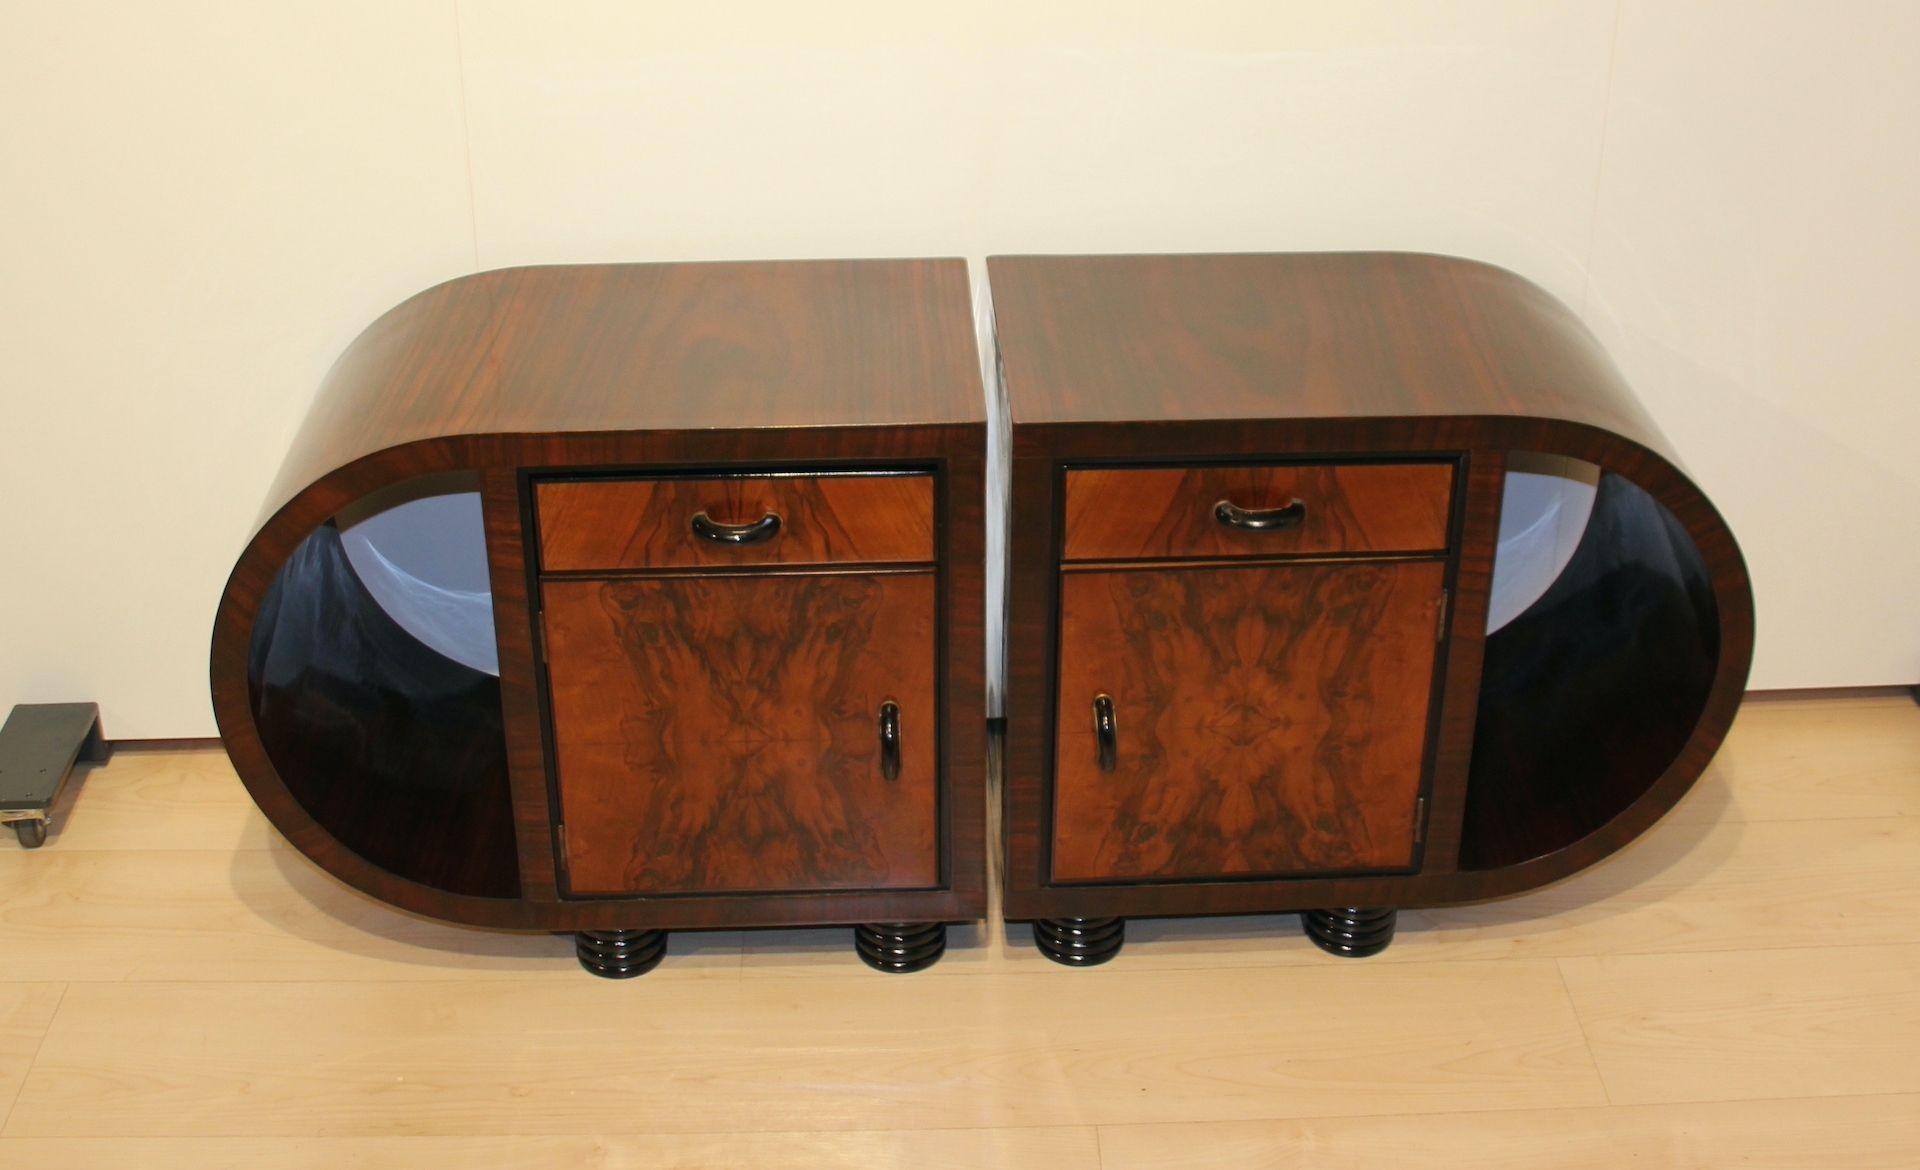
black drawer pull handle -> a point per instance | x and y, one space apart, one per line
1105 732
707 528
1260 519
890 740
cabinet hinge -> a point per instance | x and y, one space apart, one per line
540 632
560 840
1419 820
1446 603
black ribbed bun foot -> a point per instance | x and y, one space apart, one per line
1079 942
1350 932
620 954
900 947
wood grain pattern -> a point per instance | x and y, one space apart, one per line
1790 1023
26 1010
644 370
349 1033
502 511
1169 361
1121 514
1867 764
1482 484
721 733
650 348
1055 1148
646 523
1295 336
1272 721
566 1056
1861 1133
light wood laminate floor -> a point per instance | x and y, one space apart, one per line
1741 987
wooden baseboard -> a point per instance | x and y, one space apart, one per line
1804 693
177 744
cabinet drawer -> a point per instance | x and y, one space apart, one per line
1253 511
609 525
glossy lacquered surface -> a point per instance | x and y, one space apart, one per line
1157 378
1255 511
850 392
724 733
733 521
395 751
623 348
1268 721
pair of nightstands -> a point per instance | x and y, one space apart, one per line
621 599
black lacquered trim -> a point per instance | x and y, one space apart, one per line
900 947
1350 931
1079 942
620 954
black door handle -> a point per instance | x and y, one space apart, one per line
1105 732
890 740
1260 519
707 528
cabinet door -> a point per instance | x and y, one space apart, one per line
1266 721
717 734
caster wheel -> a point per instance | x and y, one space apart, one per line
900 947
620 954
1350 932
1079 942
32 834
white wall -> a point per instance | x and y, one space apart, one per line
203 202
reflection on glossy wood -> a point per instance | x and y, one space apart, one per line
722 733
1270 720
646 523
1169 511
1304 335
1157 361
524 375
603 348
396 751
1591 693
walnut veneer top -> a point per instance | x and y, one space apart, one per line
652 347
1294 335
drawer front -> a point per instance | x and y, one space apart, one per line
612 525
1174 512
719 734
1262 721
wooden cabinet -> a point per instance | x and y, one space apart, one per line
752 732
730 518
762 723
1255 517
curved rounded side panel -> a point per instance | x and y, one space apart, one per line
393 726
1604 700
380 758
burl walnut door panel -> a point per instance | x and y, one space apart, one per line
1267 721
717 734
